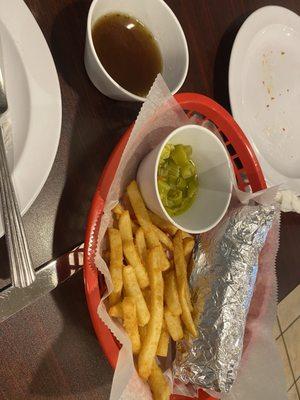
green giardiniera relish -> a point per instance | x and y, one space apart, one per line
177 178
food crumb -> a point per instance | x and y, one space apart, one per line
283 53
283 129
268 105
272 98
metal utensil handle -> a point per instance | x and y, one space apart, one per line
22 272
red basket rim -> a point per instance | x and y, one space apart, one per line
222 119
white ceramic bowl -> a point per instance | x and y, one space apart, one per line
163 24
214 172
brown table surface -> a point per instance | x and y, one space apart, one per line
49 349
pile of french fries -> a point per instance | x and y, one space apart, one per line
148 260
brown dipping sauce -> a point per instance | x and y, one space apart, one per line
127 51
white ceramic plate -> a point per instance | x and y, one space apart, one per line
34 100
264 88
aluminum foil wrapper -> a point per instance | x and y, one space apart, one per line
222 283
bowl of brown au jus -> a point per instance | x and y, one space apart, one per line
128 43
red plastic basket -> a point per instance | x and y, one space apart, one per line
248 173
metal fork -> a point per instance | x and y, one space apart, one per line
22 272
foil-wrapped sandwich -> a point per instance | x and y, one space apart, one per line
222 283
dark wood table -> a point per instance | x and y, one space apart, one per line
49 350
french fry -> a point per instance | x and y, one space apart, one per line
116 263
132 289
147 296
149 345
134 227
158 384
186 235
133 259
116 311
130 251
143 331
140 243
188 298
125 227
186 315
130 323
174 325
143 218
172 265
163 238
182 284
164 263
118 210
163 344
187 290
171 293
163 224
140 211
114 298
188 245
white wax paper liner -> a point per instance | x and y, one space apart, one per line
261 374
159 115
